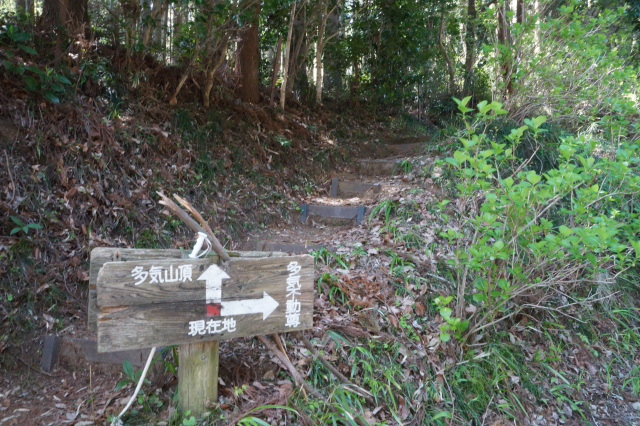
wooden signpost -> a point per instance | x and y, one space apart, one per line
146 302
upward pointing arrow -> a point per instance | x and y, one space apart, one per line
213 277
266 306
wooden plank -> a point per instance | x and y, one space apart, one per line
380 167
407 148
334 187
357 188
100 255
340 212
142 326
289 247
119 284
198 377
50 352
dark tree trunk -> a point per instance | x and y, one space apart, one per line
249 58
447 57
470 44
332 74
276 65
72 14
21 6
520 11
503 39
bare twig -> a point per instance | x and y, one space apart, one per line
13 183
38 370
175 209
366 395
292 370
276 338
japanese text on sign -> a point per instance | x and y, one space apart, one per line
202 327
293 289
182 273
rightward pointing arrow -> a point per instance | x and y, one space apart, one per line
213 277
266 305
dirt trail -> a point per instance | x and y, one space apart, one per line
82 393
376 176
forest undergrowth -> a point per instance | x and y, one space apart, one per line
509 296
501 287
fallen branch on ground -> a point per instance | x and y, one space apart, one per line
292 370
366 395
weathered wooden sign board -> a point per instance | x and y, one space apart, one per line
167 301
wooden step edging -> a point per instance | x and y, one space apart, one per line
339 212
382 167
339 187
288 247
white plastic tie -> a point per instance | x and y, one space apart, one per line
202 238
117 420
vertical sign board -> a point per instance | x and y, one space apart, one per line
163 302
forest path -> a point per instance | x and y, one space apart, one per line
331 219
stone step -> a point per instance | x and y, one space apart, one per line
338 212
407 140
352 189
383 167
287 247
397 150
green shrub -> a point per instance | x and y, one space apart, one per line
526 239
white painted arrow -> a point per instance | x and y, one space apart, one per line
213 277
266 305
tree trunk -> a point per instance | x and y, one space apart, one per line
322 42
155 15
470 43
520 15
503 39
298 55
175 31
73 14
323 5
131 10
21 6
217 60
356 83
536 31
443 50
285 62
31 8
276 64
249 58
332 74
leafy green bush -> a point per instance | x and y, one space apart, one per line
535 241
48 82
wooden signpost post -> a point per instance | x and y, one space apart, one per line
190 302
